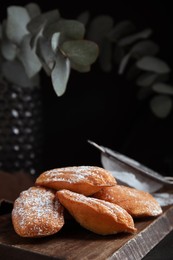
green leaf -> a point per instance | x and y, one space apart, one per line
80 68
144 48
28 57
132 38
124 63
161 105
60 74
121 29
35 38
84 17
8 49
69 29
146 79
55 41
33 9
40 21
45 53
163 88
81 52
15 73
72 29
153 64
139 49
100 27
17 19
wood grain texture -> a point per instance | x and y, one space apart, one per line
75 243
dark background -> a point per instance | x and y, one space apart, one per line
103 106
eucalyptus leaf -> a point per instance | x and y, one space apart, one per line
60 74
144 48
69 29
80 68
138 50
15 73
35 38
45 53
84 17
153 64
163 88
50 29
55 41
132 38
17 20
120 30
105 57
40 21
161 105
33 9
124 63
28 57
72 29
100 27
146 79
81 52
8 49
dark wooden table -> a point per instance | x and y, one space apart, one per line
76 243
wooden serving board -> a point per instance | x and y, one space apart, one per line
75 243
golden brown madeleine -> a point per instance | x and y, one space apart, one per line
137 203
82 179
96 215
37 212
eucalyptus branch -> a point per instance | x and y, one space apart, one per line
134 55
31 40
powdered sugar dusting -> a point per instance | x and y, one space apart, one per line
71 177
78 174
37 210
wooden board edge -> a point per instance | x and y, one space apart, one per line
142 243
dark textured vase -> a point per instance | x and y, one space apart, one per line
21 128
